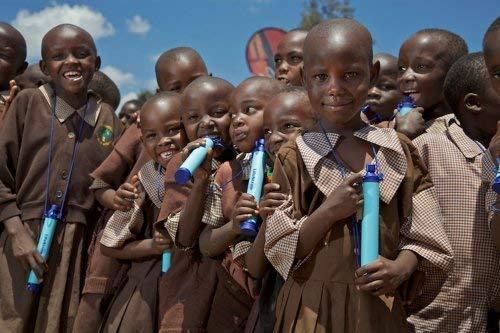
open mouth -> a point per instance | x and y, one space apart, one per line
283 79
73 76
166 154
414 94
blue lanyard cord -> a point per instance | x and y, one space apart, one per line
161 171
73 155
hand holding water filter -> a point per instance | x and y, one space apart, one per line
194 160
165 261
51 217
406 105
255 184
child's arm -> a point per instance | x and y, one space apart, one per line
339 205
255 258
384 276
135 250
191 215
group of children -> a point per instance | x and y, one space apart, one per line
113 180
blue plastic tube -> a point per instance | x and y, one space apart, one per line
255 183
370 222
48 230
496 184
165 262
406 105
192 163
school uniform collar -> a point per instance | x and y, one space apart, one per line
64 110
439 124
316 153
468 147
152 179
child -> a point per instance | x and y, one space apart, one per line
458 301
187 289
384 96
221 239
129 235
81 126
288 57
112 187
178 67
308 238
129 112
106 89
32 77
13 60
424 60
285 117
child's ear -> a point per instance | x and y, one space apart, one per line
97 63
374 71
472 103
43 67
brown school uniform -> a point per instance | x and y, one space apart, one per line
24 147
236 290
186 291
104 273
134 306
462 173
319 294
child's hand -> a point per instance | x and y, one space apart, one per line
380 277
160 242
24 248
13 90
271 200
346 198
125 195
412 124
245 208
205 169
494 147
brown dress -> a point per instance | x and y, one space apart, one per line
319 294
23 164
134 307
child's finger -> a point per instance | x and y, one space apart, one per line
134 181
246 210
246 196
368 269
275 196
268 203
354 179
371 286
271 187
37 269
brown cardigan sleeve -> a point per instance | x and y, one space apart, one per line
10 144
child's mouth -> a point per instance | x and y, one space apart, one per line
283 79
166 155
73 76
240 135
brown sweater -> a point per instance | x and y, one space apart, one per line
24 148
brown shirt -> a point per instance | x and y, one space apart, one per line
462 172
319 293
24 148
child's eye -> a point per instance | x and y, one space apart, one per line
250 110
402 68
150 135
421 66
320 77
496 75
193 117
58 57
81 54
351 75
173 131
296 59
267 131
290 127
219 112
277 61
387 87
231 115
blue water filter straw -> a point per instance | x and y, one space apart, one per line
193 162
406 105
48 230
255 184
370 222
373 118
165 262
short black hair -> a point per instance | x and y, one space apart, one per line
105 88
456 46
467 75
495 25
137 102
67 26
173 55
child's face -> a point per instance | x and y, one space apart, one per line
177 76
285 117
128 110
338 89
10 64
247 108
162 133
384 96
492 57
422 70
490 109
31 78
70 60
288 58
206 113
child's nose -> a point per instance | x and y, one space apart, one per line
374 93
237 121
283 67
335 87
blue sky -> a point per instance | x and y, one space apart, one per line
131 33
